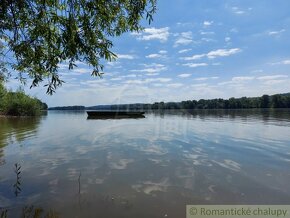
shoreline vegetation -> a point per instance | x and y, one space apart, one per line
19 104
265 101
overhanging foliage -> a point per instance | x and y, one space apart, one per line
41 34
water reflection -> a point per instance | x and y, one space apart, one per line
30 212
16 130
266 115
17 185
150 167
115 117
3 213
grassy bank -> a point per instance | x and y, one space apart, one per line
19 104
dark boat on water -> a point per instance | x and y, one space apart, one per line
115 114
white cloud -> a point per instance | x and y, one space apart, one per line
194 57
63 66
155 65
207 33
238 11
184 75
135 81
272 77
184 50
257 71
242 78
193 65
153 33
286 62
129 76
182 41
81 70
136 33
148 80
207 39
187 34
148 70
116 79
237 80
162 80
266 80
93 82
185 24
110 74
227 39
276 33
273 82
158 84
154 56
113 63
151 68
76 71
162 52
223 52
206 78
152 74
207 23
125 56
199 85
201 79
184 38
214 54
175 85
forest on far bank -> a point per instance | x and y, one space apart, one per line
265 101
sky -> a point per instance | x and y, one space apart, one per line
194 49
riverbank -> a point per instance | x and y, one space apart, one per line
19 104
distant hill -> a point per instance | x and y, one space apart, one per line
265 101
75 107
99 107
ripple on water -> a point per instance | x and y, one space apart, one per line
149 187
229 164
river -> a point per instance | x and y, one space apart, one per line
65 165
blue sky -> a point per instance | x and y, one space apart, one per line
193 49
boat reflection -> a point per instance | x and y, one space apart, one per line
115 114
115 117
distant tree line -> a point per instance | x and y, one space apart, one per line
18 103
265 101
76 107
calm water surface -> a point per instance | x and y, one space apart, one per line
69 166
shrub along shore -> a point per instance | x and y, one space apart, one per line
19 104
